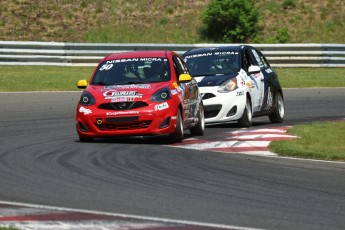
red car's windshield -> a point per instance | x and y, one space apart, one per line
132 71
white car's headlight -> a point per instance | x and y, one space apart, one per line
228 86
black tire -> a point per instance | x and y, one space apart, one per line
198 129
178 135
246 119
279 110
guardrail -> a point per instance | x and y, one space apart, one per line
89 54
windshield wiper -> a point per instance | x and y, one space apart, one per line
207 74
99 83
130 82
116 83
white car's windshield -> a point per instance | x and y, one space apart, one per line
132 71
217 63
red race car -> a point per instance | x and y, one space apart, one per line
140 93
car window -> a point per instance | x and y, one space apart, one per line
182 65
213 63
260 59
131 71
179 66
247 60
264 60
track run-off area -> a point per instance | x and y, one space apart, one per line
227 179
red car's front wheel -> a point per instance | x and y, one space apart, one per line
178 134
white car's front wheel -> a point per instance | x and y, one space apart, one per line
246 119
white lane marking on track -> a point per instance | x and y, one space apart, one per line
136 217
85 225
20 211
314 160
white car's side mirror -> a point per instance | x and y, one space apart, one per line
253 69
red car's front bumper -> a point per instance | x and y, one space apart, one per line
93 122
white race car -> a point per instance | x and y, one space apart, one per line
236 83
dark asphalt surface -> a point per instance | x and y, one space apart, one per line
42 162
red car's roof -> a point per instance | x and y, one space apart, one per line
137 54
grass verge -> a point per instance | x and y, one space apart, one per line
311 77
55 78
8 228
318 140
41 78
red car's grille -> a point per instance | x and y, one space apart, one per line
124 125
121 119
123 105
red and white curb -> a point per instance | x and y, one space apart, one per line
245 141
34 217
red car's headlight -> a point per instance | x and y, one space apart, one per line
161 95
87 99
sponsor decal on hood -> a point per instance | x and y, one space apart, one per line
128 92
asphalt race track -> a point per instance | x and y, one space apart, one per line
42 162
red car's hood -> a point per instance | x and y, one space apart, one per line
131 92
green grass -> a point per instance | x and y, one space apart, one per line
321 21
161 21
317 140
54 78
8 228
39 78
311 77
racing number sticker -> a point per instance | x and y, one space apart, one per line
106 67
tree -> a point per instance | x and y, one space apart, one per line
230 21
